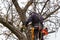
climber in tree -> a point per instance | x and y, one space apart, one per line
35 18
37 22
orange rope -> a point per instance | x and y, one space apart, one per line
32 32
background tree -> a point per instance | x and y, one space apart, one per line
14 15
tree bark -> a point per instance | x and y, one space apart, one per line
22 12
13 29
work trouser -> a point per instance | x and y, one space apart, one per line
37 33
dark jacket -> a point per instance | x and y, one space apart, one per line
35 19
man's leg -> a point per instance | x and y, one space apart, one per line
40 36
36 33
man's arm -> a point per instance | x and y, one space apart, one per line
28 20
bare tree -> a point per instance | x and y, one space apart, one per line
14 24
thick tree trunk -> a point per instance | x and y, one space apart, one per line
13 29
22 15
22 12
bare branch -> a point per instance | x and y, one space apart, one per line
17 6
13 29
51 21
45 12
27 5
52 12
20 11
44 6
